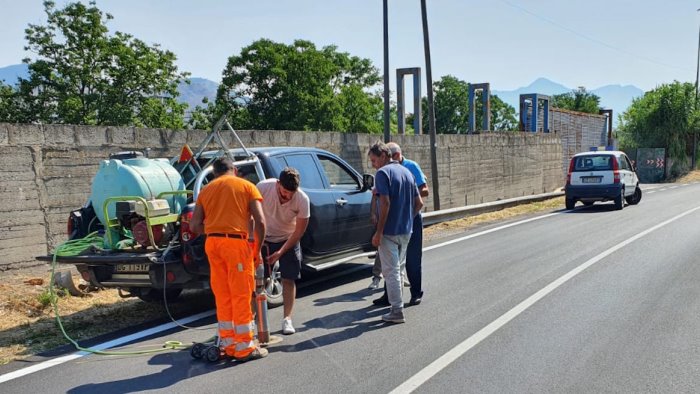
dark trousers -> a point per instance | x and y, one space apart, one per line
414 257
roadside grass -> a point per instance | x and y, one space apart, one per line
456 226
692 176
28 325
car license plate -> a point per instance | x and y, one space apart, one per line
590 179
131 268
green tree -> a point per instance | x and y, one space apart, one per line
361 112
452 108
274 86
81 74
10 105
663 118
451 97
577 100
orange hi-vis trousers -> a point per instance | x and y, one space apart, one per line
233 282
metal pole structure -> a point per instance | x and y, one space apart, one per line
697 76
387 108
431 109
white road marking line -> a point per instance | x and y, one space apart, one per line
138 335
673 187
662 189
651 192
102 346
450 242
441 363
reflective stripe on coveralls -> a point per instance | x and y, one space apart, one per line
233 282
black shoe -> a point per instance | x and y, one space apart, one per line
381 301
416 300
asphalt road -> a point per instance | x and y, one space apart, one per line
590 300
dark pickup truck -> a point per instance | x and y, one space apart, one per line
339 228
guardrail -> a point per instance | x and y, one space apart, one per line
444 215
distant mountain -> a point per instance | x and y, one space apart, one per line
615 97
9 74
196 90
191 93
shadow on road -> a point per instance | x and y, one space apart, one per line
180 367
353 323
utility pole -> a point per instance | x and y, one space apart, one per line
387 108
697 76
431 109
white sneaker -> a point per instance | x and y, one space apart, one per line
375 283
287 327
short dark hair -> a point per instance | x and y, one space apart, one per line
378 148
290 179
223 165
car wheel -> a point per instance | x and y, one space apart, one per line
635 198
619 200
588 203
273 290
570 203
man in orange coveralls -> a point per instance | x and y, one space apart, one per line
223 211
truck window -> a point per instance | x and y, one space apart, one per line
337 175
248 173
305 164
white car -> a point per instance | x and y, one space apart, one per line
602 176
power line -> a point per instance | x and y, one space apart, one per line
592 39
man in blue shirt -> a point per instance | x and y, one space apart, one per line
399 201
414 254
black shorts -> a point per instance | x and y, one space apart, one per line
289 263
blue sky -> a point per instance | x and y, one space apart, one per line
508 43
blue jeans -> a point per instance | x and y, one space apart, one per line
414 257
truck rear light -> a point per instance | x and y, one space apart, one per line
69 226
170 277
185 233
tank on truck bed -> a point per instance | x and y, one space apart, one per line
141 208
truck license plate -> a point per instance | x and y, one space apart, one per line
590 179
131 268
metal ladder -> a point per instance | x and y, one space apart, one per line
191 169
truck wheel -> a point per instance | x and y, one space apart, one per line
156 295
570 203
273 290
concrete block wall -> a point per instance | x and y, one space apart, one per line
578 132
46 170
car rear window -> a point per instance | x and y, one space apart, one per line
593 163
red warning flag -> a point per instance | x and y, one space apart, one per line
186 154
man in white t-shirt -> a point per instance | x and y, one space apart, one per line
287 213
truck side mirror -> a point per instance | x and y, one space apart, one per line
367 181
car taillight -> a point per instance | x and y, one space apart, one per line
616 170
571 169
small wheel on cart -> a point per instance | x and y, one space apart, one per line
213 354
197 351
